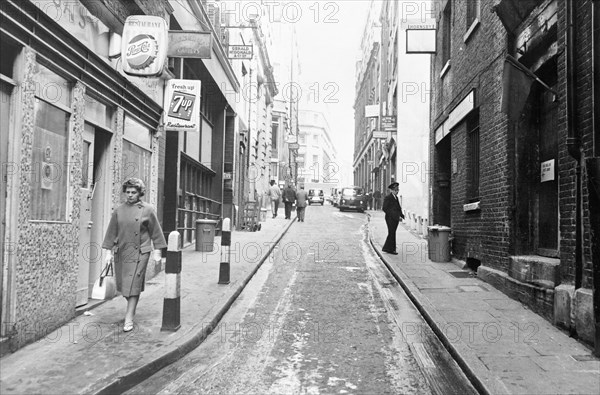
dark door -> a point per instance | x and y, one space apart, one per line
546 230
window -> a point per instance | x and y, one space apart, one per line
50 147
136 156
473 157
274 132
472 12
446 33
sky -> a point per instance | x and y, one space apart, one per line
329 34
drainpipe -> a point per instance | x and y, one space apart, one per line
593 167
573 140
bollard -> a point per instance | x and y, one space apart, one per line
172 302
225 252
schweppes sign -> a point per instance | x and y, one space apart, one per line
144 45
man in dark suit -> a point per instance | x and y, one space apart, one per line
393 214
289 198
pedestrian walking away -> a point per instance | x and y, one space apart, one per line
289 197
370 199
275 195
133 232
301 202
393 214
377 199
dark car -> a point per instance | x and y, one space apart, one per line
316 196
352 198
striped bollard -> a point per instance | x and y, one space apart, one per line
225 252
172 302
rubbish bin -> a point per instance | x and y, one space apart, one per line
439 244
205 234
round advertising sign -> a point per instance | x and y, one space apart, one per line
142 50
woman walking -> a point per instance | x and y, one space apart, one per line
133 232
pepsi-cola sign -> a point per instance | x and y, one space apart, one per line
144 45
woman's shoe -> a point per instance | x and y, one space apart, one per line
127 326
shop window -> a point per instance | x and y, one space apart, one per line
50 147
473 157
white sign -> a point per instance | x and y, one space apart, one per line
144 45
380 135
182 105
239 51
547 171
372 111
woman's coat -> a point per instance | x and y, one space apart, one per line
133 232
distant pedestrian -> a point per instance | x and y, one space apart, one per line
275 193
370 199
377 199
133 232
393 214
301 202
289 197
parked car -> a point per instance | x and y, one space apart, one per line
352 198
316 196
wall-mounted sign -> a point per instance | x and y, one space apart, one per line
144 45
189 44
388 122
372 111
380 135
547 171
182 105
291 138
294 146
239 51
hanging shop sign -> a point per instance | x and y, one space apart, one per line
189 44
239 51
388 122
144 45
372 111
182 105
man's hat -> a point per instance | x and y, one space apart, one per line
393 185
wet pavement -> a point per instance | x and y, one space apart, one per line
502 346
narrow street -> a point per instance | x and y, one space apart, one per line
321 316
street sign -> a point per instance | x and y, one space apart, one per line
239 51
294 145
380 135
189 44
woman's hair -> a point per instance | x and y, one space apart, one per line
135 183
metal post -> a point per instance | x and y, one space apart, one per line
225 252
172 302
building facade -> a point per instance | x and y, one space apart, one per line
73 128
368 146
512 128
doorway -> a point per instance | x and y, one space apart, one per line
443 183
5 93
95 204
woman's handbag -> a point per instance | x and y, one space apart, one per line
105 287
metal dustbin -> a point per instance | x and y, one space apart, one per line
205 234
439 243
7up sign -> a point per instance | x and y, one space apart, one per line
182 105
